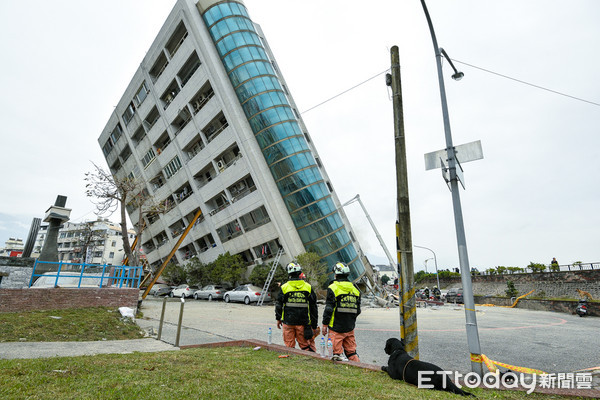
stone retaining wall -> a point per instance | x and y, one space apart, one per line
15 272
548 284
563 306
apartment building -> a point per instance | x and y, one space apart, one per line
92 242
208 124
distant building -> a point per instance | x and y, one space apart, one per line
92 242
384 269
13 247
208 123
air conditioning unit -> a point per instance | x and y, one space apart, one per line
258 261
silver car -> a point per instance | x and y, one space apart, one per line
160 289
210 292
246 293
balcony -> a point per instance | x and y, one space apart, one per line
159 66
215 127
181 120
176 39
188 69
169 95
202 97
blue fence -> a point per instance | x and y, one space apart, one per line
54 274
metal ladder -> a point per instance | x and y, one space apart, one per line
270 276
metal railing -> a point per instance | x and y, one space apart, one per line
77 274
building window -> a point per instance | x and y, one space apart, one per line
113 244
148 158
151 118
142 93
111 254
172 167
129 113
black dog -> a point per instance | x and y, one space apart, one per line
405 368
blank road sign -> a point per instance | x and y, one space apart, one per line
464 153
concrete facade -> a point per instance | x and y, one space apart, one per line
207 122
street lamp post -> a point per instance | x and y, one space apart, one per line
465 272
437 275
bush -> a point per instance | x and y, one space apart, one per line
511 291
536 267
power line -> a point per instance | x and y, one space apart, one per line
345 91
469 65
526 83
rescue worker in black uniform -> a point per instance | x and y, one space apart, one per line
342 306
296 310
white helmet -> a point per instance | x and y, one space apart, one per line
341 269
293 267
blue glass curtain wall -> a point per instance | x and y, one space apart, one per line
279 136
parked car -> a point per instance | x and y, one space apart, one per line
455 295
210 292
184 291
160 289
246 293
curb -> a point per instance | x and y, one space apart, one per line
585 393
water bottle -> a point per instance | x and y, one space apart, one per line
270 336
323 347
329 348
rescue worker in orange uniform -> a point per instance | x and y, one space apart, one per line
342 306
296 310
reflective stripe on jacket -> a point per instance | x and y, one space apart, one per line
297 304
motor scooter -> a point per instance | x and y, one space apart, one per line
582 308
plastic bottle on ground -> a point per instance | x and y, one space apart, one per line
270 336
329 347
323 347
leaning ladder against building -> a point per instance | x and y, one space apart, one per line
269 279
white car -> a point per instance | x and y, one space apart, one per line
183 291
246 293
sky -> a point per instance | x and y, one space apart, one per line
532 197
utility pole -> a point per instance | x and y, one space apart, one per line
408 311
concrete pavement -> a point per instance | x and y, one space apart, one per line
12 350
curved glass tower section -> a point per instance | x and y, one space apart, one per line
279 136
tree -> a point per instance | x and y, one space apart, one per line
501 270
174 274
227 269
314 269
110 193
259 274
197 273
385 279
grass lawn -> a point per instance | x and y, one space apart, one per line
83 324
209 373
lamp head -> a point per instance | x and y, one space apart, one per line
458 76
